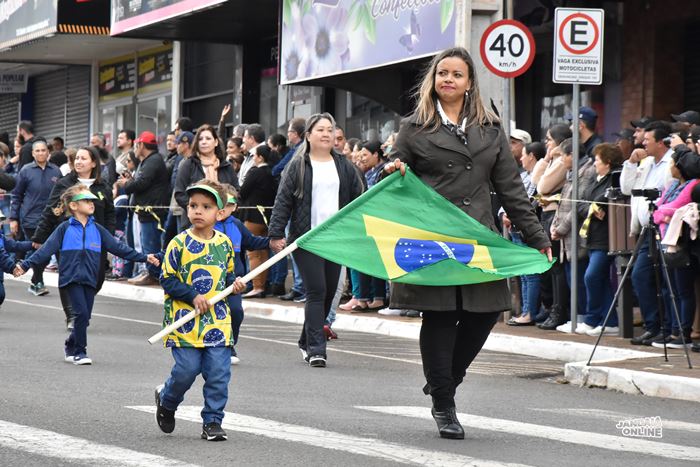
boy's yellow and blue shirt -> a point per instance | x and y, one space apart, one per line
203 266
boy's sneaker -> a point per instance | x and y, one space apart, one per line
164 418
235 360
68 356
81 359
317 361
40 289
32 289
213 432
304 355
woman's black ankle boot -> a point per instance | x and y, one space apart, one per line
447 423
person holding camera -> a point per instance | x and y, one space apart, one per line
647 169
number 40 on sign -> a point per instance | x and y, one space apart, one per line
507 48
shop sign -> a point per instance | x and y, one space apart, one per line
22 20
117 78
13 82
155 69
328 37
128 15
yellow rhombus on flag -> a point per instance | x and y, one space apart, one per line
404 231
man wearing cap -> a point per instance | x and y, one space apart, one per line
587 119
148 190
518 140
639 126
173 224
689 117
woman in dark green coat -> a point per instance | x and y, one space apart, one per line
458 147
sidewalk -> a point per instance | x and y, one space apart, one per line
616 365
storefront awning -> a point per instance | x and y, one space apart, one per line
232 21
24 21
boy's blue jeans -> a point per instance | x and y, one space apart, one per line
214 363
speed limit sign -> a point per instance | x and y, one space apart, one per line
507 48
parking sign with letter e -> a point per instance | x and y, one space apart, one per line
578 46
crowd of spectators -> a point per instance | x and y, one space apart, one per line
143 201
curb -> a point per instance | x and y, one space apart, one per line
633 381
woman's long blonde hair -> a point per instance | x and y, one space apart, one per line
473 110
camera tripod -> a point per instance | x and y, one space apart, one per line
653 237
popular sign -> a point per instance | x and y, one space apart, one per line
13 82
507 48
578 46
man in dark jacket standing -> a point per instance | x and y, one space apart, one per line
25 129
34 184
148 188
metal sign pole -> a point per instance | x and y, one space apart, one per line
573 254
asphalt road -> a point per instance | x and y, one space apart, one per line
365 409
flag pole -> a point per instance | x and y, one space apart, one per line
224 293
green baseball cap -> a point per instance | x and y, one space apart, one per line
209 190
83 195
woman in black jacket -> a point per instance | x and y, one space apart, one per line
316 183
86 170
207 161
599 291
259 189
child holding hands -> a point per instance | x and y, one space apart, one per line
198 264
79 241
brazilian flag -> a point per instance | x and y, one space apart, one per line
404 231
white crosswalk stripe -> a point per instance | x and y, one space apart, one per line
71 449
332 440
564 435
619 416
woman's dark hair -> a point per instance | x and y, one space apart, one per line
278 139
352 142
95 157
103 153
567 147
609 154
304 148
560 132
537 149
373 147
235 140
185 124
217 147
681 159
264 151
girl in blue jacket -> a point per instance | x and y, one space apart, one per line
79 241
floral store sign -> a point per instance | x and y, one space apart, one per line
328 37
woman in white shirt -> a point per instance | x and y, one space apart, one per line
316 183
